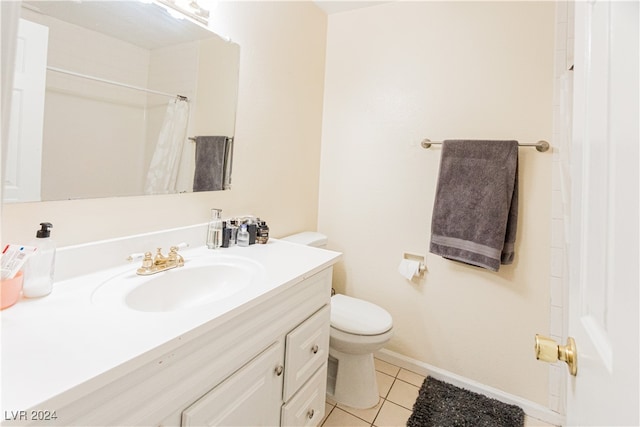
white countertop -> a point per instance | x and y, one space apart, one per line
65 345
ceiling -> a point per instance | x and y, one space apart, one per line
126 18
130 21
336 6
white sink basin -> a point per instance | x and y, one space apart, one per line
200 282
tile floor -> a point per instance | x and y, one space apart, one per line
398 391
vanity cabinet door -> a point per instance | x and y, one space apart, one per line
307 348
249 397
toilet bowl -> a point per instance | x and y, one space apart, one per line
358 329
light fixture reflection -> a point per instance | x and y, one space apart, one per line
190 8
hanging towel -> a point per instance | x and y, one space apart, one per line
211 163
475 212
228 163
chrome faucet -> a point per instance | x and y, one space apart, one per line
153 265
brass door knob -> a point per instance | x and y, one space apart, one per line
548 350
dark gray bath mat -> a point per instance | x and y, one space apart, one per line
440 404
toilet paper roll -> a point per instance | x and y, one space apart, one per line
409 268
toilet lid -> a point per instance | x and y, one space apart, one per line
359 317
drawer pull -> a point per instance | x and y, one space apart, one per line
279 369
310 413
315 349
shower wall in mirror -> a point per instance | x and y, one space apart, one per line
100 131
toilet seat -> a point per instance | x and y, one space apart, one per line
358 317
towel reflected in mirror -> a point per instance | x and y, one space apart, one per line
213 163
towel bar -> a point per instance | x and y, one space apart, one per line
193 138
541 146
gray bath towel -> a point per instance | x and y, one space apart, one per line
211 159
475 212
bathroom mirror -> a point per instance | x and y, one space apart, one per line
112 70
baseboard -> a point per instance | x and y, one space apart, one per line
530 408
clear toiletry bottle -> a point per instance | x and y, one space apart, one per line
214 231
243 236
39 269
233 238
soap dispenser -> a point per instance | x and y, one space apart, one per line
39 269
214 230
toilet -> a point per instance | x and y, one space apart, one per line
358 329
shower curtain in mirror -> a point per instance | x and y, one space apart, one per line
163 170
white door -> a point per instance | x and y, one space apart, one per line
603 248
24 150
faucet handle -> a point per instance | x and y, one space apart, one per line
147 261
147 264
159 256
174 255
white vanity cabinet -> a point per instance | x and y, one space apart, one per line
284 380
293 370
263 363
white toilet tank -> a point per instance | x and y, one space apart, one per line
308 238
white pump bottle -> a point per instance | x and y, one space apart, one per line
39 269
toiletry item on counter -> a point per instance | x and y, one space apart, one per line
226 234
229 233
233 237
252 229
39 268
13 259
256 231
10 290
214 230
263 233
243 236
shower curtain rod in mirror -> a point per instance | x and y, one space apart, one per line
541 146
112 82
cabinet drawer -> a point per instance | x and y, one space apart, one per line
307 348
307 406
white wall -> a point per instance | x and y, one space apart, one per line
397 73
276 157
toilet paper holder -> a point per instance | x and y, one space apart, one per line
416 257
